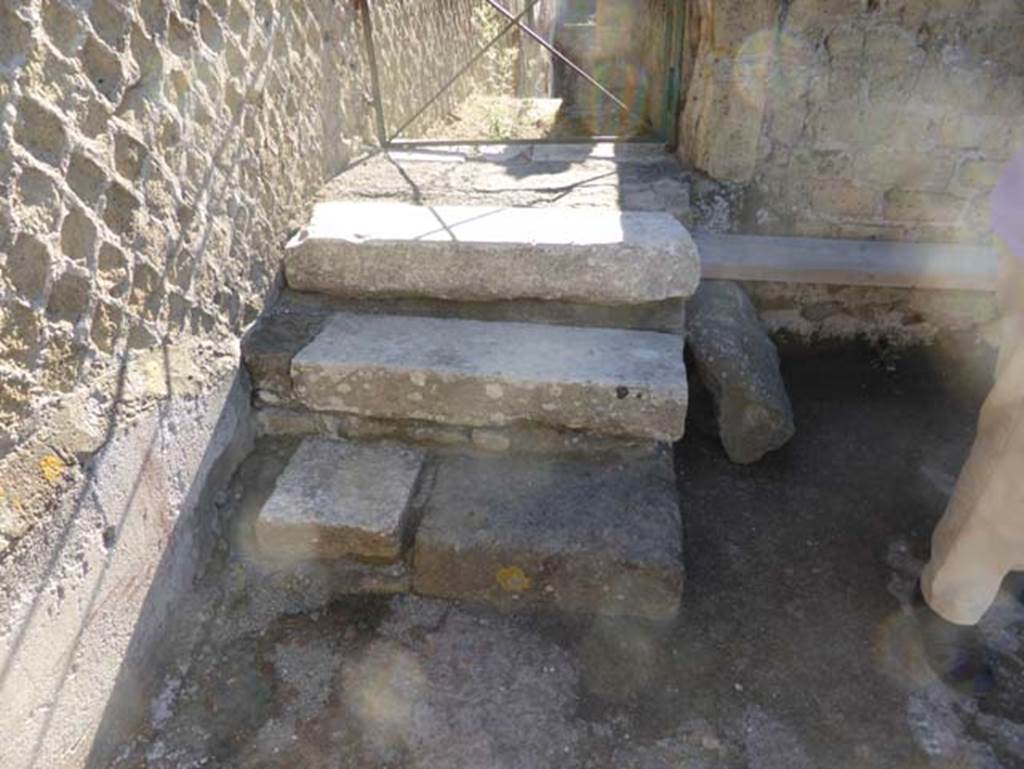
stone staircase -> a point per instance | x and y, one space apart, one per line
481 402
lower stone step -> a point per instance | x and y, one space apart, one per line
607 381
340 499
597 535
268 347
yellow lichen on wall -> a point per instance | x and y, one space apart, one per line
52 468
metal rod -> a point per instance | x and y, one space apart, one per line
371 54
448 84
508 14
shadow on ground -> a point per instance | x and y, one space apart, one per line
794 647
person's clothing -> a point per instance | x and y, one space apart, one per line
981 536
956 654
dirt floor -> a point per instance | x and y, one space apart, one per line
794 647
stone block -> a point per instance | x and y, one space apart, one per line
69 296
78 236
530 438
103 68
809 163
41 131
86 177
732 154
732 24
892 81
327 579
912 205
340 499
839 198
846 41
268 348
884 169
892 42
979 175
739 365
589 255
105 326
627 383
594 535
667 316
27 266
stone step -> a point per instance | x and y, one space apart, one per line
586 255
339 499
597 535
296 317
480 374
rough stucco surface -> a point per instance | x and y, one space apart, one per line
874 118
87 598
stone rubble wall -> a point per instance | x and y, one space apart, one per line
882 119
901 317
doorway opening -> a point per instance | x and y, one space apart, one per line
562 71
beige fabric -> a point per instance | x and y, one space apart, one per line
981 536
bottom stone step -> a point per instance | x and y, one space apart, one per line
340 499
594 535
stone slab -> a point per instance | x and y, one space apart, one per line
318 582
503 177
425 151
668 315
270 345
341 499
620 152
613 382
587 255
531 438
595 535
940 266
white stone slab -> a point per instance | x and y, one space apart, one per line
609 381
645 153
340 499
427 155
587 255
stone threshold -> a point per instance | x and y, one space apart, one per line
434 151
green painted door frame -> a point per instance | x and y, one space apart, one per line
675 29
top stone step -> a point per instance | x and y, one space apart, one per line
587 255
